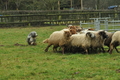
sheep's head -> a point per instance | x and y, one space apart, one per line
90 34
103 34
73 31
72 27
67 34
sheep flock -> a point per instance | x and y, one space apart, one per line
75 39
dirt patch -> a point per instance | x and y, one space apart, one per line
118 70
17 44
1 45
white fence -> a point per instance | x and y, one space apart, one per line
104 23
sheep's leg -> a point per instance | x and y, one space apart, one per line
103 50
55 48
95 49
91 50
86 50
99 49
47 47
111 49
108 49
62 49
117 50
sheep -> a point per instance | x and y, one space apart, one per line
108 39
77 28
98 41
58 38
31 38
87 30
115 42
82 40
72 31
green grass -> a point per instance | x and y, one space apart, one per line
32 63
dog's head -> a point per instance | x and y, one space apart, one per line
33 34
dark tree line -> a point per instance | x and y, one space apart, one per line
55 4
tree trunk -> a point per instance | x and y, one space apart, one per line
58 5
81 4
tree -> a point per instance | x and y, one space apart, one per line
97 5
17 2
4 4
81 4
56 4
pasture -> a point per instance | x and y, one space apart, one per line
19 61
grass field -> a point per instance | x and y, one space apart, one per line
18 61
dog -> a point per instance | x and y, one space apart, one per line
31 38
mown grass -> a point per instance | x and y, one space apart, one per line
32 63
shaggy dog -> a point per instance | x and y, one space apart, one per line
31 38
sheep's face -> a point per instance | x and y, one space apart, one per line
73 31
103 34
72 27
90 34
67 34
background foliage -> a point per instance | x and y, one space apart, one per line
53 4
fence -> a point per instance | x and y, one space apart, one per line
105 23
41 18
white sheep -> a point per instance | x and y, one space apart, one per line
82 40
98 41
115 41
58 38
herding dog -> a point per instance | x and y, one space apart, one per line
31 38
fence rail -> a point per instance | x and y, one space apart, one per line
41 18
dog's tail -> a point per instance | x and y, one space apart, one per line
45 41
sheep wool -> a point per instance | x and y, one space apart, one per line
115 41
98 41
82 40
58 38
